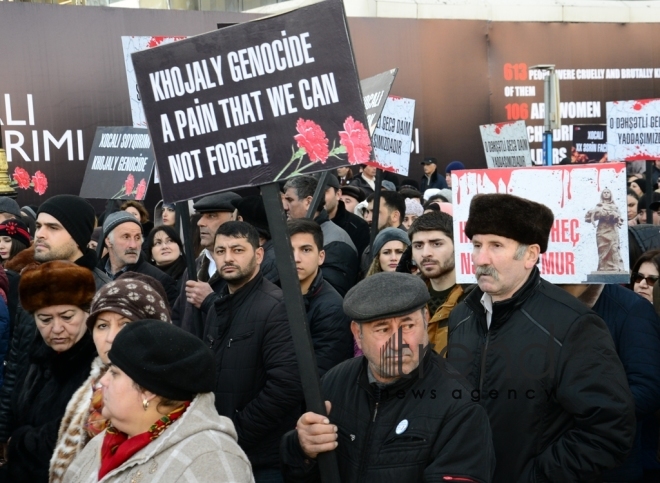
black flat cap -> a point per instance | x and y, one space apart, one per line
354 192
385 295
217 202
330 182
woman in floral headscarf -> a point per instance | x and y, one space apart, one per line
14 238
131 297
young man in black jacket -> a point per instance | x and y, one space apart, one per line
544 366
328 324
395 414
258 385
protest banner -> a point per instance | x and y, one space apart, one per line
633 130
589 143
254 103
375 91
393 135
119 165
131 44
506 144
589 238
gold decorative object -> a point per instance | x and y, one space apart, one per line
5 187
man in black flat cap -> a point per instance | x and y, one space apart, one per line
394 414
543 365
215 210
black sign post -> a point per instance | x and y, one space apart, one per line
252 104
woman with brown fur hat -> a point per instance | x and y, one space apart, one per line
58 295
133 296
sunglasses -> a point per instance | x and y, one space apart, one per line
650 280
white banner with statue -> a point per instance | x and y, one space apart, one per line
589 238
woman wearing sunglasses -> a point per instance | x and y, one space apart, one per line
645 274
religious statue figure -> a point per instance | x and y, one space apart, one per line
606 213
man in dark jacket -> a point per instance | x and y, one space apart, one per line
340 267
214 210
635 328
328 325
393 415
543 365
366 180
356 227
122 235
258 385
431 178
64 227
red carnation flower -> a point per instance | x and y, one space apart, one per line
40 182
312 139
356 140
141 190
129 184
22 178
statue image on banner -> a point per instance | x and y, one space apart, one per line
609 219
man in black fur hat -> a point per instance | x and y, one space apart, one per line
543 365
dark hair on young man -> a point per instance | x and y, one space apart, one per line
240 229
304 186
433 221
393 201
303 225
411 193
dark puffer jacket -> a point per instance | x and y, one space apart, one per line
340 267
258 384
549 377
444 437
329 326
44 388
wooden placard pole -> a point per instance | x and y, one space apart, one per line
183 218
295 308
320 191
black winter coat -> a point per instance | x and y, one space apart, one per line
146 268
39 401
258 385
444 437
549 377
329 326
356 227
23 334
340 267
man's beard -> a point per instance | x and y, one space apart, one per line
439 270
58 253
241 275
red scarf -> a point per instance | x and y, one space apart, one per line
118 447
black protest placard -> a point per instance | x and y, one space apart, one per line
120 164
254 103
589 143
374 92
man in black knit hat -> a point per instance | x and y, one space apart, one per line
543 365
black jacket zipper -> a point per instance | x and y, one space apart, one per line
483 363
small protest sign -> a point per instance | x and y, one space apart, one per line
374 94
506 144
254 103
589 238
119 165
131 44
393 135
633 130
589 143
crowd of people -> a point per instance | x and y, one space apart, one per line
120 365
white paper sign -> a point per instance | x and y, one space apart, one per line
393 134
506 144
589 238
633 130
136 44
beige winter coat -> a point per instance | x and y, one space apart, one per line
199 447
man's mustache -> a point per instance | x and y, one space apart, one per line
487 270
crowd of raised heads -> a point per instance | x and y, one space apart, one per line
120 365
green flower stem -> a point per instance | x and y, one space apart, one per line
296 155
